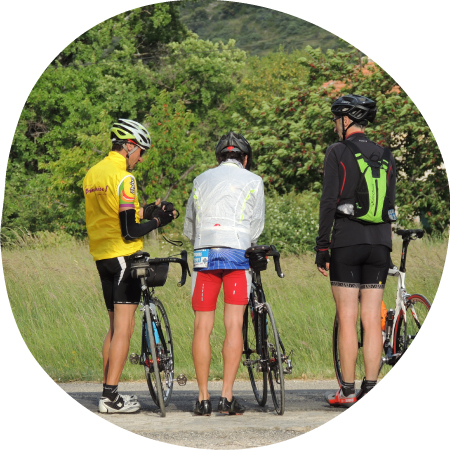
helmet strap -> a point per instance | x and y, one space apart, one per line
344 130
129 153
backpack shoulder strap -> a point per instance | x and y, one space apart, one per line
386 157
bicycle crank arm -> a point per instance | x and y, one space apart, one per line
250 362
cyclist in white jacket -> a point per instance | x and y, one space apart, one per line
224 216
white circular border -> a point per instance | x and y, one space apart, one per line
408 40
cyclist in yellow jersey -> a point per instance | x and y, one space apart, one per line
115 231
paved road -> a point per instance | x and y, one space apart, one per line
305 410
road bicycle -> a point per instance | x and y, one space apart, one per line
157 343
264 354
401 324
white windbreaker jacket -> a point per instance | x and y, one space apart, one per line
226 208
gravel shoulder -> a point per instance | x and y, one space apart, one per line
306 409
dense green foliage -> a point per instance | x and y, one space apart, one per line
146 65
257 30
290 134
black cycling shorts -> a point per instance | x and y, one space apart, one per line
360 266
117 284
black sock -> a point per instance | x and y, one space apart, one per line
369 385
110 391
348 388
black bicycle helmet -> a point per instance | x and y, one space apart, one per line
359 109
234 142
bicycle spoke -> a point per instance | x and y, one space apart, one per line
252 347
275 359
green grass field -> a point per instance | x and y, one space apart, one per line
56 298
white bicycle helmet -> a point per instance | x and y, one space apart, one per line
126 130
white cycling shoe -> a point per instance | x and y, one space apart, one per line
119 405
129 398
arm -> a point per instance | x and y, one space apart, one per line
257 222
328 200
189 221
129 227
132 230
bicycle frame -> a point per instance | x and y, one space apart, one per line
400 305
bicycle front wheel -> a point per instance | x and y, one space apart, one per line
252 334
164 349
407 327
274 357
150 357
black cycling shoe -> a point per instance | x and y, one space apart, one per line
203 408
231 408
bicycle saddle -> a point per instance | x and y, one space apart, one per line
410 233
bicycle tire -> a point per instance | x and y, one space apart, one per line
417 307
166 358
251 332
275 361
149 341
359 367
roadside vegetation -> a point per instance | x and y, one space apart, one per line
56 298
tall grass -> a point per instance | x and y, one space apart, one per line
56 298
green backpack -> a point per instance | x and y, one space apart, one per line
370 202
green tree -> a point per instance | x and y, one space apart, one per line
291 133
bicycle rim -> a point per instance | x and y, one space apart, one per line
251 331
153 376
275 361
359 367
405 331
164 346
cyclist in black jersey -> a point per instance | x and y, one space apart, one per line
360 252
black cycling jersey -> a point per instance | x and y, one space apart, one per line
341 175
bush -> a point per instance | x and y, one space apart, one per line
292 221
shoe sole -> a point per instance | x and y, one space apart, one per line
119 411
105 410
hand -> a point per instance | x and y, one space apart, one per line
323 261
148 210
167 206
163 217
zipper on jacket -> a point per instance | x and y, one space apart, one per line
376 204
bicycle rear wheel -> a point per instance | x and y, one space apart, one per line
405 331
274 357
165 358
252 334
151 357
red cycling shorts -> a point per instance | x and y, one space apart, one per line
206 286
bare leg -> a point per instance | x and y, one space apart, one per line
347 310
201 350
120 342
232 346
106 344
371 319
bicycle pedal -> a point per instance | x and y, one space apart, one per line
134 358
181 379
249 362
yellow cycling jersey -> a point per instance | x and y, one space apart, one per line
108 188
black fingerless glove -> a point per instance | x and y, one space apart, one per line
149 211
258 261
322 257
164 217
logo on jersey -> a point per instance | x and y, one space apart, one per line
127 192
97 190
